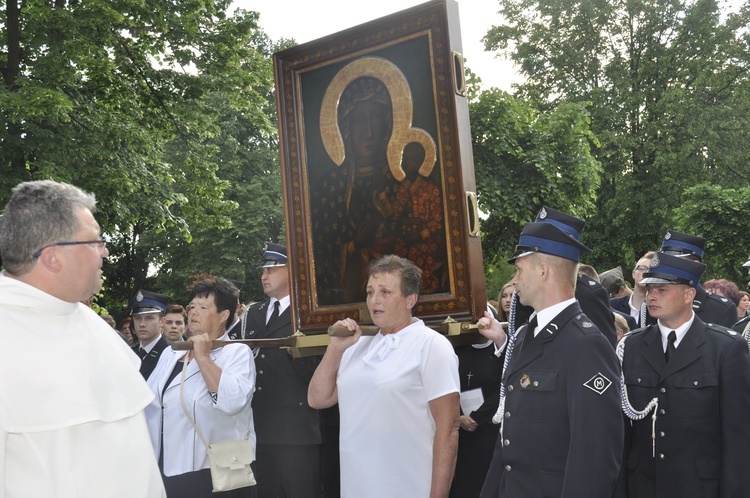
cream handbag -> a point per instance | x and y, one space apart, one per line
230 460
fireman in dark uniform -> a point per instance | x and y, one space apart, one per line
710 308
695 378
562 431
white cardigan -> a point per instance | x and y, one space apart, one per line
227 418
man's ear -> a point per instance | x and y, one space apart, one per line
544 269
691 293
49 260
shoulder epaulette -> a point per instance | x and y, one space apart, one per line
720 328
723 300
640 330
584 323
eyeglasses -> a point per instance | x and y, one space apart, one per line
641 268
100 244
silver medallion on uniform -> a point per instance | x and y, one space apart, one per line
598 383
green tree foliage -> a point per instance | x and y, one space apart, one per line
160 108
720 215
668 85
525 159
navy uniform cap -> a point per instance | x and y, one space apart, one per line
669 269
681 244
548 239
149 302
273 255
565 222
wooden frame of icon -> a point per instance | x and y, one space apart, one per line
376 159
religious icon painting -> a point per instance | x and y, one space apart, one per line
376 159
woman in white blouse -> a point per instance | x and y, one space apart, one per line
218 390
398 394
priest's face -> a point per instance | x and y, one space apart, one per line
82 263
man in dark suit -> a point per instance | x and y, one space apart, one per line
288 430
699 374
148 310
633 304
562 431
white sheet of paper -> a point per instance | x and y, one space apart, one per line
471 400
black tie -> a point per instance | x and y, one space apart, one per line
274 314
530 328
142 353
671 339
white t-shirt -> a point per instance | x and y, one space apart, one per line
385 384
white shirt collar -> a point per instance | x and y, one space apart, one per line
148 347
679 332
545 316
283 305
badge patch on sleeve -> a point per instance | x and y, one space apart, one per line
598 383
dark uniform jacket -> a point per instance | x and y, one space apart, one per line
562 427
280 409
621 305
632 324
148 363
594 301
702 435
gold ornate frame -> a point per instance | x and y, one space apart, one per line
416 55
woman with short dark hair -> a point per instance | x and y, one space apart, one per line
218 390
398 394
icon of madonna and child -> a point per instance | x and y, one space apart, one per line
380 198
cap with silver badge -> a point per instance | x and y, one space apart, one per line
273 255
548 239
682 244
669 269
149 302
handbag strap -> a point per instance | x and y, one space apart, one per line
185 409
182 401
